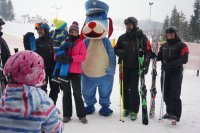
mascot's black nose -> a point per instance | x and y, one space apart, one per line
92 25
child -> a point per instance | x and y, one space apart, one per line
78 55
24 106
61 43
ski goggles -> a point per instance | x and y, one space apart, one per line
42 25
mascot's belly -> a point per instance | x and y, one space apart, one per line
97 60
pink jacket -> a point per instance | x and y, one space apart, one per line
78 53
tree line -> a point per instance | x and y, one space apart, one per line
188 30
6 10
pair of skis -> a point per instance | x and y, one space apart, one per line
153 90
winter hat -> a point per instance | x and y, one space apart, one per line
2 22
74 26
59 24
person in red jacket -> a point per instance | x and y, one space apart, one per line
77 54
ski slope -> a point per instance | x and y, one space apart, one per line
189 123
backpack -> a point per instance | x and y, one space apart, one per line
29 41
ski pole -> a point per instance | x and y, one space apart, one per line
162 98
121 91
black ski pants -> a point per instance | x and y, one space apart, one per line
172 92
54 88
75 82
131 95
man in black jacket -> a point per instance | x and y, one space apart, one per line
173 54
44 47
4 55
126 49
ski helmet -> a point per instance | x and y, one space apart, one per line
1 21
25 67
42 25
171 29
131 20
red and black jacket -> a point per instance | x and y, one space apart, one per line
175 53
128 44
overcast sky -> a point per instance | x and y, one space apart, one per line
119 9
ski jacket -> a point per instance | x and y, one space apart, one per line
44 47
27 109
60 40
173 55
78 54
127 48
5 52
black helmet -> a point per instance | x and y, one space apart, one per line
2 22
131 20
171 29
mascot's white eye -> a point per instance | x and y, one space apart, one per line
100 17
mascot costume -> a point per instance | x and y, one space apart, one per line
99 66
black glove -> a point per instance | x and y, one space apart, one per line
64 59
153 55
166 66
120 53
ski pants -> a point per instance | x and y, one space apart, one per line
172 92
75 82
131 95
54 88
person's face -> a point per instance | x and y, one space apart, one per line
171 35
129 27
40 31
73 33
1 28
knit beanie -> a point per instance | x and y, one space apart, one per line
59 24
74 26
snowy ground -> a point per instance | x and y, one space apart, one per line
190 121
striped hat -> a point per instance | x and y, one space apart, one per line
59 24
74 26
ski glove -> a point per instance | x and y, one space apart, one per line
110 71
64 59
120 53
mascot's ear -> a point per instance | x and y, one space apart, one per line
82 37
110 27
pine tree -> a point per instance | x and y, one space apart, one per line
195 22
165 25
175 18
6 10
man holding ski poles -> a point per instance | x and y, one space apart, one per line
173 54
4 55
130 48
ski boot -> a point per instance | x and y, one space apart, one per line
173 119
66 119
83 120
166 116
133 116
125 113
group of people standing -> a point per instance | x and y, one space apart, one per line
63 53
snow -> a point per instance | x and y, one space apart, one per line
190 120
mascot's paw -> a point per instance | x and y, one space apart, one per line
89 109
105 111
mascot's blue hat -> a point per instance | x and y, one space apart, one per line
95 6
